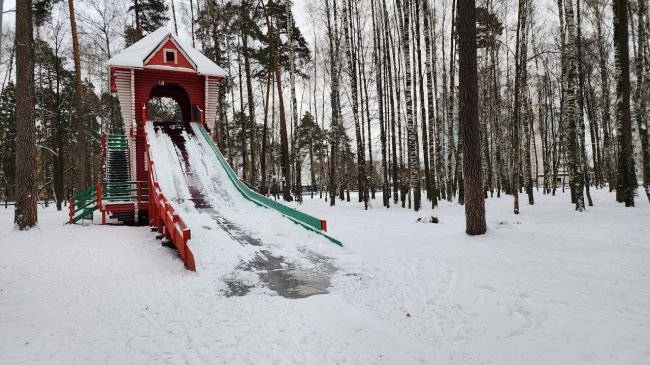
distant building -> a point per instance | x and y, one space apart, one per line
562 179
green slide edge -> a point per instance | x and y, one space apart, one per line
307 221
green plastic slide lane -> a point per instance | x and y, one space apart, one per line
311 223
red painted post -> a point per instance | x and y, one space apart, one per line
71 206
323 225
99 203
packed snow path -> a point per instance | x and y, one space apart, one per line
200 178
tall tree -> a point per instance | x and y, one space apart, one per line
335 130
294 100
641 94
284 142
520 55
431 96
352 72
149 15
468 111
626 179
25 214
570 112
425 119
413 155
78 116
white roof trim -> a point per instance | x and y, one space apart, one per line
169 68
137 55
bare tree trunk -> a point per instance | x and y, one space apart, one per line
263 169
387 59
192 21
138 25
581 104
332 31
608 146
570 117
352 65
414 161
174 17
431 116
626 181
249 94
284 143
451 149
79 121
468 109
25 214
516 118
294 103
641 95
423 113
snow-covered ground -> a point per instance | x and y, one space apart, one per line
547 286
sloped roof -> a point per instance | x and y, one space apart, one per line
138 52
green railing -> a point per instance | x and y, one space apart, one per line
85 203
305 220
131 191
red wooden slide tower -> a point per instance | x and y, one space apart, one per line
158 65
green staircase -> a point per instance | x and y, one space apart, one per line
117 158
117 162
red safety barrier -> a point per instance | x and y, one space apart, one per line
163 217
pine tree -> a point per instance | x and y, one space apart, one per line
247 25
275 61
25 213
469 123
294 101
149 16
80 124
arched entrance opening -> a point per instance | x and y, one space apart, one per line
169 103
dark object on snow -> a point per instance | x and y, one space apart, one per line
431 219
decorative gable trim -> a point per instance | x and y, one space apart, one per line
178 47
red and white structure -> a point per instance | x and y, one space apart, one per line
161 65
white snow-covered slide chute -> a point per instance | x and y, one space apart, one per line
194 188
310 223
